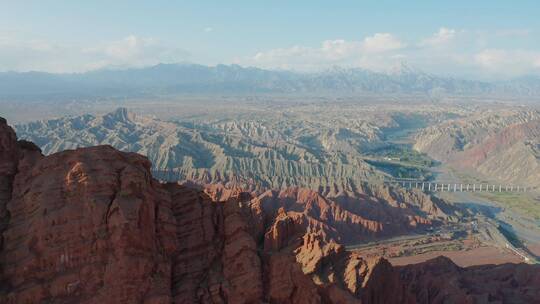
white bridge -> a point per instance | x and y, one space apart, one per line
426 186
434 186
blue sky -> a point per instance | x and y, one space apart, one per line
474 39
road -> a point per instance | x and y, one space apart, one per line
498 218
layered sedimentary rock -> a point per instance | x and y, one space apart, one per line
88 226
92 226
441 281
217 260
256 153
9 159
269 147
351 217
499 145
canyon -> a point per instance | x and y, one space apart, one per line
264 147
92 225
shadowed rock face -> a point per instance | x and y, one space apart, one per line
441 281
92 226
9 159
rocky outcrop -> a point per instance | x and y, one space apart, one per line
217 260
88 226
9 159
199 234
441 281
92 226
349 217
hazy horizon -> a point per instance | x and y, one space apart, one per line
480 41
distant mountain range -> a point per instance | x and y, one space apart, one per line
234 79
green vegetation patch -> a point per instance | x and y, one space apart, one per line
401 170
401 161
403 154
522 203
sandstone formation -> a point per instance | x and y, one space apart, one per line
91 225
350 217
9 158
441 281
501 146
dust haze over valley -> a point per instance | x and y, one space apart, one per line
245 152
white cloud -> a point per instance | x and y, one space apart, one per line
31 54
537 62
124 49
136 51
459 53
331 52
381 42
208 29
509 62
443 36
451 52
491 58
34 54
370 53
339 49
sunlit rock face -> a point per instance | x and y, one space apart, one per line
501 145
91 225
258 153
